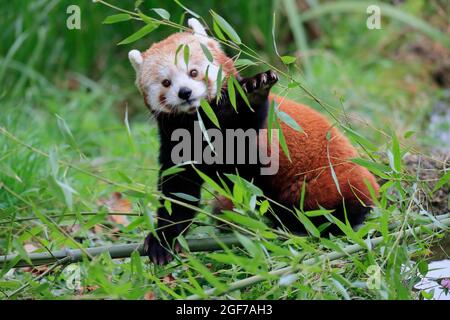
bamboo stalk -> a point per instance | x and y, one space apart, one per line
115 251
125 250
325 257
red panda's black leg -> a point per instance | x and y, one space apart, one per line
172 224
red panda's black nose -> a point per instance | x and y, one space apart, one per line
184 93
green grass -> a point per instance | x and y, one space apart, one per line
65 145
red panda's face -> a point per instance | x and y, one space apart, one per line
169 81
175 84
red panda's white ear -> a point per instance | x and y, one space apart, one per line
136 59
198 29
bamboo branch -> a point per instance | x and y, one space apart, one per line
115 251
325 257
125 250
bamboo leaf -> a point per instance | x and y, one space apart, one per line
218 32
138 3
241 92
185 196
186 54
6 170
244 63
219 84
231 93
274 41
409 134
146 18
442 181
21 251
270 120
357 137
192 13
282 141
377 168
211 183
168 206
206 76
209 112
249 245
309 226
172 170
335 179
302 194
396 155
163 13
177 52
237 180
348 231
264 206
207 53
206 274
317 213
204 131
245 221
139 34
226 27
289 121
117 18
136 264
288 59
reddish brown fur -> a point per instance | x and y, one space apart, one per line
311 154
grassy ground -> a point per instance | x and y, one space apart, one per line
73 132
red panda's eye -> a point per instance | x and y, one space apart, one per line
166 83
193 73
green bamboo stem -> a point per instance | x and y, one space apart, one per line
125 250
115 251
325 257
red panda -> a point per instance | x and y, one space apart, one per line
173 88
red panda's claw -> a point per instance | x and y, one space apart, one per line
250 85
259 85
263 79
266 80
272 76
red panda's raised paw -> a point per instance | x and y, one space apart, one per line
261 83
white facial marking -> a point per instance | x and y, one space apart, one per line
180 78
160 80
